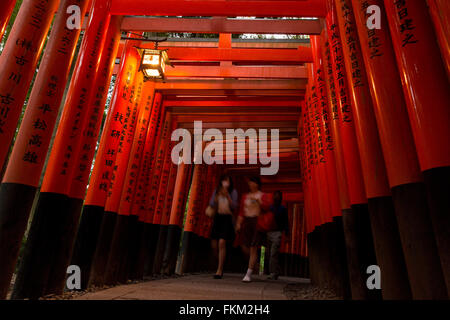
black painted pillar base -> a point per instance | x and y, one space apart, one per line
16 201
293 265
419 245
204 248
99 263
40 248
352 243
437 181
143 250
310 242
186 247
64 242
339 258
388 248
117 252
136 229
192 253
152 239
323 263
366 248
86 241
160 248
172 246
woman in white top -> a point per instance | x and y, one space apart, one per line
252 204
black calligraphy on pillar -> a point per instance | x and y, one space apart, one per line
351 37
407 24
340 74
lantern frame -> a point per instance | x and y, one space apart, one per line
154 64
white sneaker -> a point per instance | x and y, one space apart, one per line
247 279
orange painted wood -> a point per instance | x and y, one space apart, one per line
124 147
222 25
6 9
425 82
67 145
102 172
334 120
371 154
137 149
391 114
82 167
32 142
356 188
18 64
145 172
202 8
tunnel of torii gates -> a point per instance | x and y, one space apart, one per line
364 125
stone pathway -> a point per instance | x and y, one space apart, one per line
201 287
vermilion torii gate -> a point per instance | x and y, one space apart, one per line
363 123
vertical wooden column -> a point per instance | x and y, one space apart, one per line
18 63
405 178
51 232
117 245
6 9
47 219
165 207
354 236
143 185
344 197
159 206
135 164
22 175
192 216
426 90
204 244
92 216
116 268
338 199
180 192
66 235
108 185
439 12
152 215
372 162
151 143
322 190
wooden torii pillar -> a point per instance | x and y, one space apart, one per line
426 91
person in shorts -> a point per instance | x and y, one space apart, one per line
252 204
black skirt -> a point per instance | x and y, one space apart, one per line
222 227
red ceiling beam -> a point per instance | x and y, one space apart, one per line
280 85
237 110
222 25
281 72
243 119
298 55
232 103
224 8
298 93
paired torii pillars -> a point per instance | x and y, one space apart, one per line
375 167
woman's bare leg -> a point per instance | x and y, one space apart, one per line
222 255
214 247
253 257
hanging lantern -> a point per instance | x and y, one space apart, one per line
153 63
